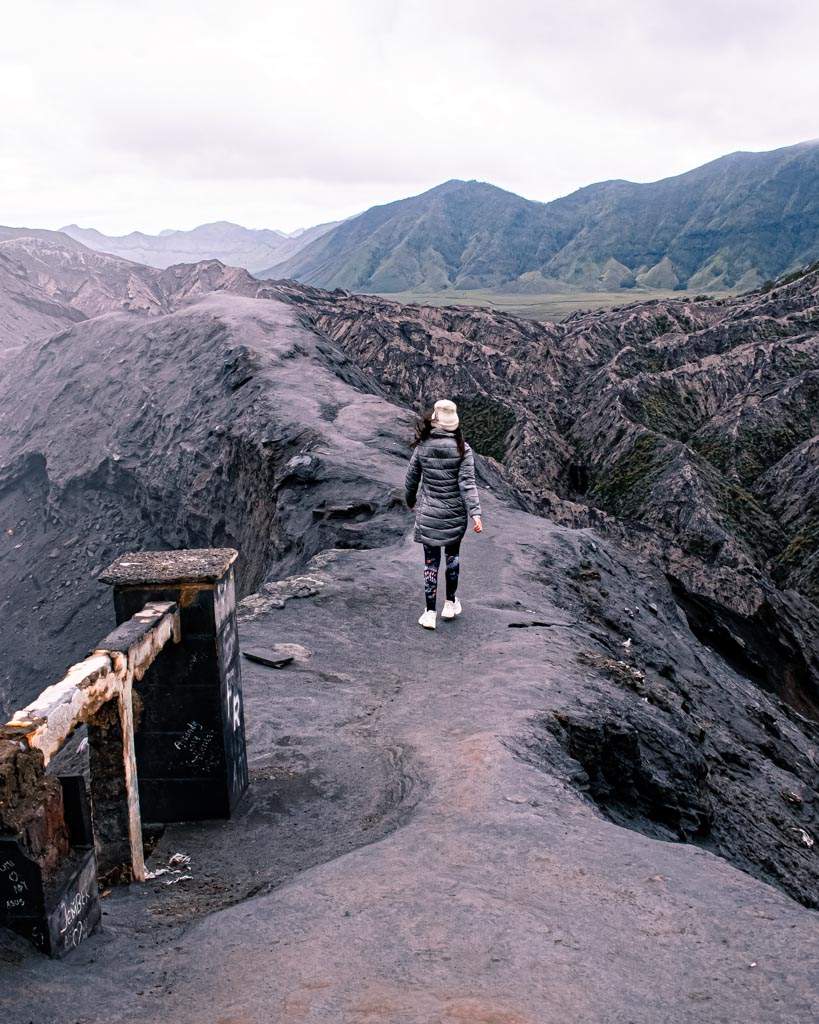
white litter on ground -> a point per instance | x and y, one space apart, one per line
155 874
177 863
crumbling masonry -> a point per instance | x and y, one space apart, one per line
173 664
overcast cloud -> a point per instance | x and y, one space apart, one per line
150 115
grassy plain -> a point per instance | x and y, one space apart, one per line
552 306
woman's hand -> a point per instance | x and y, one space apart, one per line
478 525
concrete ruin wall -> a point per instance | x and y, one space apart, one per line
173 655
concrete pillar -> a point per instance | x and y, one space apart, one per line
48 888
189 738
55 914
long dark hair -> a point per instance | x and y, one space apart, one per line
424 426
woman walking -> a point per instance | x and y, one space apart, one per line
444 467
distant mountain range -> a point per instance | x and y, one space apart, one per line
230 243
732 223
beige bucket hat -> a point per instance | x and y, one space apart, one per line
445 414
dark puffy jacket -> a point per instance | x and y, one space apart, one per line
448 492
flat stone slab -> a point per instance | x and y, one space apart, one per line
152 568
277 655
268 658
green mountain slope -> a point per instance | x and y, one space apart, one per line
731 223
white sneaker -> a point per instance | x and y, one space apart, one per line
428 620
451 609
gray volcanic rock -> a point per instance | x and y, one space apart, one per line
790 487
201 428
731 223
230 243
74 276
49 281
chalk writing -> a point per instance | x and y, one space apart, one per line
15 882
70 911
233 686
72 939
75 917
233 711
198 746
224 600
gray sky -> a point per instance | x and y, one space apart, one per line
148 115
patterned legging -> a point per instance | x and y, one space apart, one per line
432 560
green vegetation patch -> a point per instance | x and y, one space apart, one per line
762 442
765 445
751 453
715 449
745 516
624 484
803 544
780 282
796 560
666 409
486 424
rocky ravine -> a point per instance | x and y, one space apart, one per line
687 428
565 807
